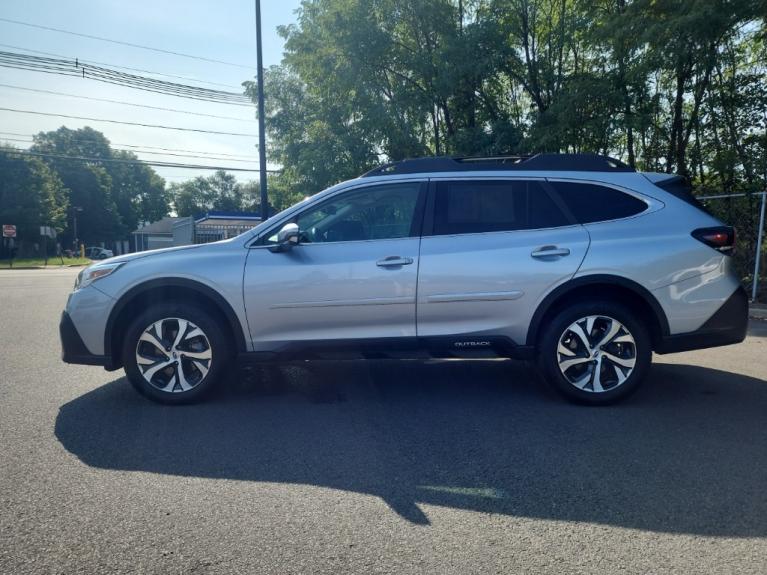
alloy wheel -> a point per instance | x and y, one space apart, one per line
173 355
596 353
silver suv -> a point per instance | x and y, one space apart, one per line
576 262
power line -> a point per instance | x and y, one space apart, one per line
40 91
123 67
139 162
150 152
122 43
75 68
222 154
126 123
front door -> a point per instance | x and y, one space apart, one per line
353 276
496 247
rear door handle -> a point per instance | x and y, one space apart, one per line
550 251
392 261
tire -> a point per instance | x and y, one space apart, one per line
174 368
617 347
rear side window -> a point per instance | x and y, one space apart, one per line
592 203
467 207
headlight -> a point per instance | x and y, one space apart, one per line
94 272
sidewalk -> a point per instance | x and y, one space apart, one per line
757 311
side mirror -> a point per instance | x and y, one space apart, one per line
287 237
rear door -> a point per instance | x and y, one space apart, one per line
492 249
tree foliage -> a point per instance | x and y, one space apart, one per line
31 195
112 197
666 85
221 191
669 85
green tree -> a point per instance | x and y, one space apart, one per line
138 190
220 191
88 182
31 195
113 196
192 197
666 85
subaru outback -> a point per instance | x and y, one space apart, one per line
575 262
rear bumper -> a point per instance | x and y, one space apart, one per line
73 349
727 326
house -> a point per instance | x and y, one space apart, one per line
218 225
157 234
210 227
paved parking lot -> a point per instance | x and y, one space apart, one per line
380 467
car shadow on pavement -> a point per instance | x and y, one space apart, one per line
686 454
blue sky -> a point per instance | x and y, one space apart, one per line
222 30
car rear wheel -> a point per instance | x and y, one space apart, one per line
175 353
595 352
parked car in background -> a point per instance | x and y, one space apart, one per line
95 253
574 261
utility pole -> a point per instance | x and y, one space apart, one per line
261 134
76 209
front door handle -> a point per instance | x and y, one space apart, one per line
550 251
392 261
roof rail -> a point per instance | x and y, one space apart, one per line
552 162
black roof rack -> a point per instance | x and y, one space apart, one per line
553 162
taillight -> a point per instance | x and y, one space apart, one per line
721 238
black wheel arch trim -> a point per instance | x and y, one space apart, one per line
550 300
728 325
73 350
198 287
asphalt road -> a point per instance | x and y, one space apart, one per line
380 467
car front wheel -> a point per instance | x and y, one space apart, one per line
175 353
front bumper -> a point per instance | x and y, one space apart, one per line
727 326
73 349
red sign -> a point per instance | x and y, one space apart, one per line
9 231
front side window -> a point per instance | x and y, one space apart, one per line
465 207
371 213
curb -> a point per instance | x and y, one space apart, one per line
44 267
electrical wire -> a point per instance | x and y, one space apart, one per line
142 125
151 153
30 139
124 103
144 70
123 43
138 162
75 68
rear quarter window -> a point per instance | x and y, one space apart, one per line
591 203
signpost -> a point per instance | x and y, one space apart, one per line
9 231
48 232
